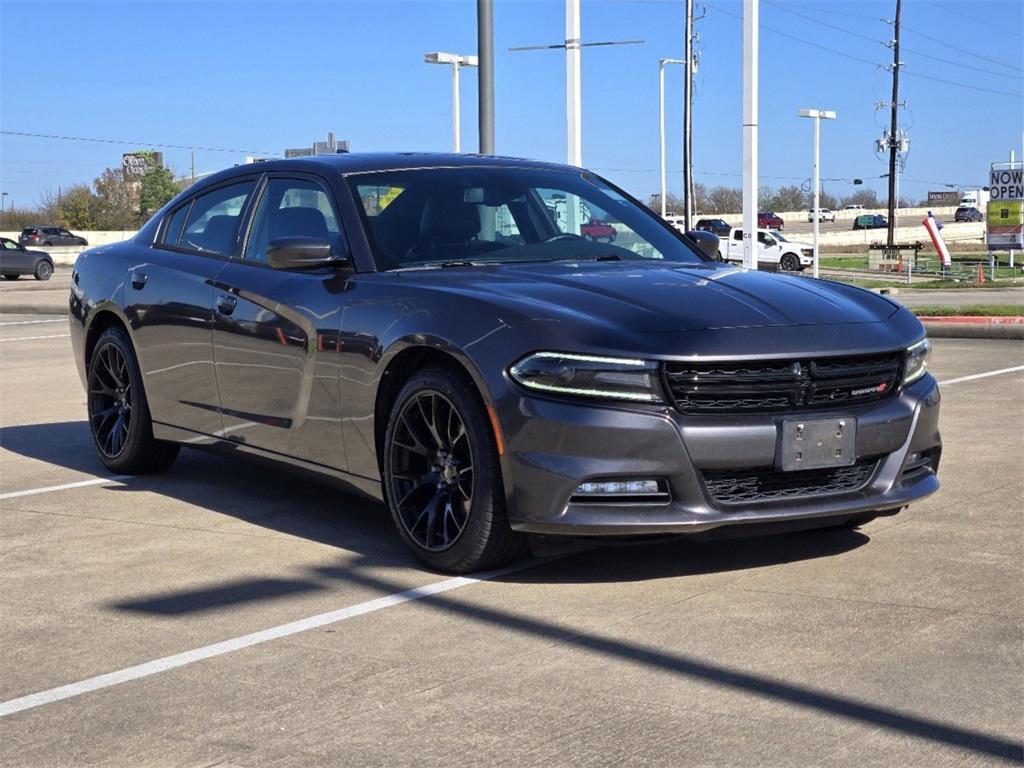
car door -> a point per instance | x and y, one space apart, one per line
169 303
13 260
768 248
276 331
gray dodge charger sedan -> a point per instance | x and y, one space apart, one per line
438 332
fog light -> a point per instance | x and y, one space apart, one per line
619 488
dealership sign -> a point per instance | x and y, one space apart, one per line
1005 211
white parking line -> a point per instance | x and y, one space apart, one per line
984 375
245 641
64 487
30 338
34 322
166 663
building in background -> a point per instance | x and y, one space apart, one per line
329 147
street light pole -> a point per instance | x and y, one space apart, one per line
817 115
456 62
750 111
661 127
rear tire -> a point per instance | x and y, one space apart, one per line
119 419
442 479
44 270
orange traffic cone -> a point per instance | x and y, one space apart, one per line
981 273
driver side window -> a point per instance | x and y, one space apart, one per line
292 208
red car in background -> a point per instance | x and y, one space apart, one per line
596 229
768 220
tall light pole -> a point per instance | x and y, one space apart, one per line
750 88
457 62
661 126
817 115
2 201
485 50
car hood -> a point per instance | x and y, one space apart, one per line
659 297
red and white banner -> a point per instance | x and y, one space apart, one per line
933 228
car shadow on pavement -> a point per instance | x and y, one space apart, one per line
298 504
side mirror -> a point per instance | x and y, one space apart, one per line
302 253
706 242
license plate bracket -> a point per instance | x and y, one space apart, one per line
817 443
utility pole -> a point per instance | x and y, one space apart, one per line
193 167
750 88
688 123
894 141
485 83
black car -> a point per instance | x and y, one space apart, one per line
870 221
16 260
432 330
49 236
719 227
968 213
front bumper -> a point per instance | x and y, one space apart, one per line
556 445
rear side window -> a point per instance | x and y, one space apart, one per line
213 219
172 234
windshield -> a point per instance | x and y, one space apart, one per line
483 215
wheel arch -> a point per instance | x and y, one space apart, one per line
404 363
98 323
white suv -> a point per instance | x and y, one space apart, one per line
824 214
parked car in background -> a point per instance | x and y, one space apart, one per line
968 213
824 214
676 220
719 227
49 236
870 221
769 220
486 381
853 207
596 229
16 260
773 251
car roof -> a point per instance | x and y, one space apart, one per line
365 162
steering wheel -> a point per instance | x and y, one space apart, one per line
564 236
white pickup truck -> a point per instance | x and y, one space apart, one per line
773 249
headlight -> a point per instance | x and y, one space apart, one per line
916 364
612 378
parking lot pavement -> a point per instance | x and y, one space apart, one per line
961 297
900 644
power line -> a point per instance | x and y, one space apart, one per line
944 7
962 50
851 33
867 61
800 39
133 143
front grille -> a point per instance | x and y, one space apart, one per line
758 387
749 486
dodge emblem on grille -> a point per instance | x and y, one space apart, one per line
868 390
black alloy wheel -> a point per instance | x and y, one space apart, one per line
110 400
432 471
119 419
442 476
789 263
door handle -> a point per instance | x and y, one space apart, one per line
226 304
138 279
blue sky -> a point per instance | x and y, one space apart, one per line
265 76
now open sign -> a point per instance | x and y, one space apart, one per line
1006 184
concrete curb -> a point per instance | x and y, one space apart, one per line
973 319
939 328
35 308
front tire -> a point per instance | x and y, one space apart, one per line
789 263
119 419
442 479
